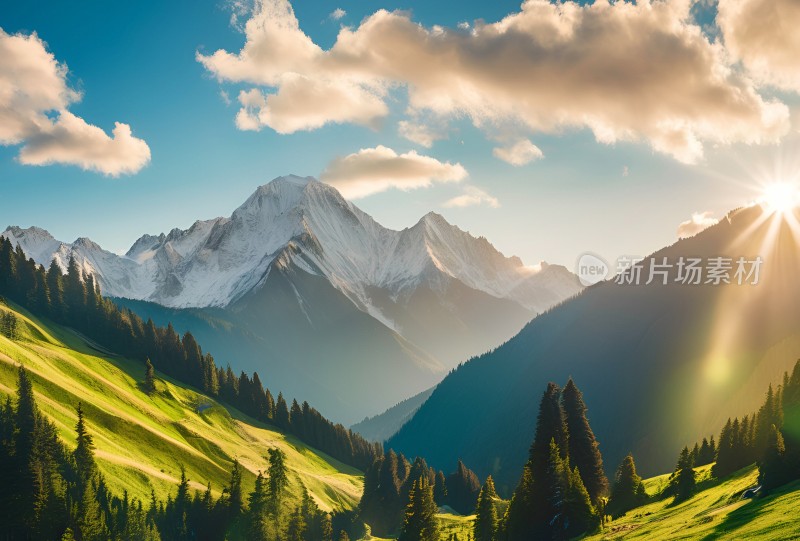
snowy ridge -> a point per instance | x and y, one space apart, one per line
306 223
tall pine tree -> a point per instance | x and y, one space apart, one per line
485 527
584 451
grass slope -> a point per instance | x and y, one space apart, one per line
142 440
715 512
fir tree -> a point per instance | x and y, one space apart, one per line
584 451
278 478
90 524
463 487
235 500
773 468
440 489
84 451
535 510
282 413
684 479
296 529
628 491
149 377
485 527
577 507
516 521
420 523
726 460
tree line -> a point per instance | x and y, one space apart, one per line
52 492
73 299
397 492
769 438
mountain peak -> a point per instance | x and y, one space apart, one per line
284 181
87 243
32 231
434 218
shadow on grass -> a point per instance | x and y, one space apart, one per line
747 513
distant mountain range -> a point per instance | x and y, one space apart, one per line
383 426
304 287
659 365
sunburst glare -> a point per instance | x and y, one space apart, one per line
780 197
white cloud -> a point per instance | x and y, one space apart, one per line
626 71
764 35
697 223
373 170
34 102
471 197
70 140
520 153
337 14
422 134
304 103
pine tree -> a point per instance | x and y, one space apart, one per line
554 484
726 460
420 523
773 468
149 377
23 481
463 487
278 478
534 511
584 451
235 499
282 413
90 523
84 451
74 293
684 479
628 491
516 521
296 529
768 415
485 527
440 489
577 507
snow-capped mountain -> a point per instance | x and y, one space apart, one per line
215 262
438 294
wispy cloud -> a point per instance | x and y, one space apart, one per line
518 154
337 14
34 103
374 170
697 223
471 197
420 133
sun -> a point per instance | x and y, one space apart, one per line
780 197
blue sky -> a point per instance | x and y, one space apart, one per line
135 63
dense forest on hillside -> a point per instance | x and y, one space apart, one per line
51 492
74 299
56 492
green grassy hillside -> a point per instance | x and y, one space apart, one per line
142 441
717 511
